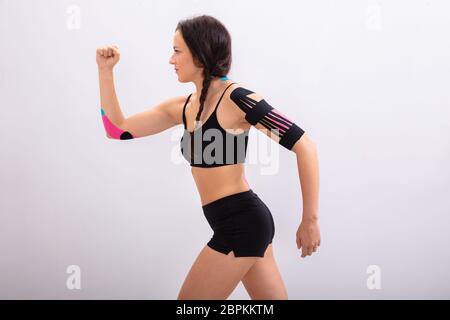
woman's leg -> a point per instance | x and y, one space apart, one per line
263 281
214 275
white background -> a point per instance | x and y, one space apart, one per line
368 80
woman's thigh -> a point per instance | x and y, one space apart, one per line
214 275
263 280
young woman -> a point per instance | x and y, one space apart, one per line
217 119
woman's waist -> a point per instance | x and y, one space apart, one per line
217 185
241 205
210 196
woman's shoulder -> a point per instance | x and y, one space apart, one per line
239 92
174 106
236 92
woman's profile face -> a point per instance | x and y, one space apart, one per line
182 59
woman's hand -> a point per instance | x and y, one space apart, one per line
308 237
107 57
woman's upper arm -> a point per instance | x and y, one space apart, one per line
155 119
260 114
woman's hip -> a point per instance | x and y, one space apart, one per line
240 212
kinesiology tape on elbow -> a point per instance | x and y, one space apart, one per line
113 131
272 119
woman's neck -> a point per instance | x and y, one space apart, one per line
216 84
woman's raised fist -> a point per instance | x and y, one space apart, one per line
107 56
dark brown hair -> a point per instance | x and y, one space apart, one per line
210 45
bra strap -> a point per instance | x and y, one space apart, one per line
184 108
222 95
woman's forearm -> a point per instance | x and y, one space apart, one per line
108 99
308 170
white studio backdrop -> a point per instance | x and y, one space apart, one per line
368 80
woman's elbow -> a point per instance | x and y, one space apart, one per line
304 143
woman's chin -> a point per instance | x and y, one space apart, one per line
180 79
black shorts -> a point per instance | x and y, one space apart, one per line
242 223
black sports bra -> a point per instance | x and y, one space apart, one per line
210 145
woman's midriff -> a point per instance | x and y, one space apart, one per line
218 182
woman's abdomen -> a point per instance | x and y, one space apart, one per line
218 182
